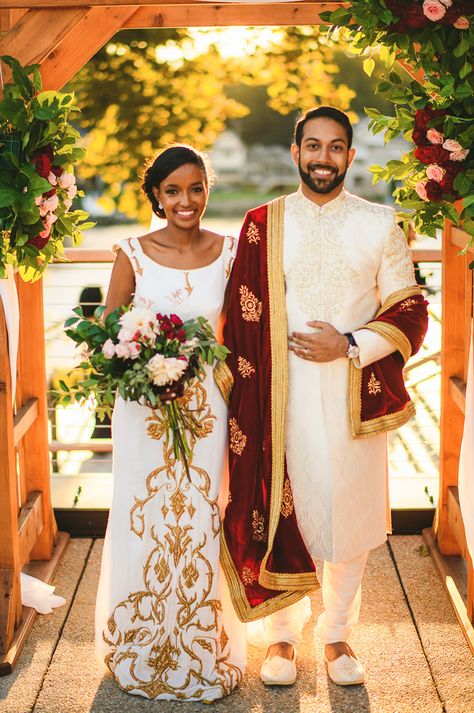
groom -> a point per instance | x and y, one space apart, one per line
324 313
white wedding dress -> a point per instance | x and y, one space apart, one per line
165 625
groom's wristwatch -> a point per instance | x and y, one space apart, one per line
353 349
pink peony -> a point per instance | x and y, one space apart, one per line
433 10
435 172
108 349
66 180
458 155
434 136
462 23
420 188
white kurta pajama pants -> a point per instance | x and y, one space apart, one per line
341 262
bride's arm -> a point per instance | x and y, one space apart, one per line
122 284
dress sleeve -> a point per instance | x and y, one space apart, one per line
395 273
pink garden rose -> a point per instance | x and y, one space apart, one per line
52 179
134 349
71 191
434 136
108 349
433 10
462 23
49 219
420 188
458 155
122 350
49 204
452 145
435 172
66 180
67 203
447 3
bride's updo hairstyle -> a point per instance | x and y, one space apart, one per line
168 161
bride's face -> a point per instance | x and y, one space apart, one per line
183 195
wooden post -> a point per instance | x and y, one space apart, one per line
32 384
10 600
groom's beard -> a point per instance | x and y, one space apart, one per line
322 185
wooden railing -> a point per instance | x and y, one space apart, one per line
28 530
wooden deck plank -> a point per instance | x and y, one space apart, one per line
386 640
19 690
450 659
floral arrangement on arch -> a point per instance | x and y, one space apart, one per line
433 41
38 149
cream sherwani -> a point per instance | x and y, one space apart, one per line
341 261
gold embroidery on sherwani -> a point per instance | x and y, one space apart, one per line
238 440
251 307
397 257
245 367
248 577
176 566
258 527
373 385
253 233
287 499
407 305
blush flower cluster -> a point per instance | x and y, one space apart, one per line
418 14
443 157
62 192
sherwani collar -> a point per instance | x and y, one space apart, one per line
311 208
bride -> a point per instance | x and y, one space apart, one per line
165 626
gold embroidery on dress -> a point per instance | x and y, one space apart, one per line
247 576
251 307
258 527
141 646
406 305
287 499
188 287
245 367
133 257
253 233
238 440
373 385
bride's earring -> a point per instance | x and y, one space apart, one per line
160 206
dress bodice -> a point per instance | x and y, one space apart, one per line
198 292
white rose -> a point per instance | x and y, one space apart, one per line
135 349
126 335
139 319
66 180
122 350
175 368
156 367
108 349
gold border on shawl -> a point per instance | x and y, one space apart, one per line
394 335
224 380
397 296
279 395
373 426
239 599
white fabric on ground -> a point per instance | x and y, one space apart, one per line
38 595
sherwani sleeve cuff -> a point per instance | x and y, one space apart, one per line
372 347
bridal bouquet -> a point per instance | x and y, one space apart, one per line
145 357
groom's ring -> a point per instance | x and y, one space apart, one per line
305 351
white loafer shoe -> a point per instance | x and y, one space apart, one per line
279 671
345 670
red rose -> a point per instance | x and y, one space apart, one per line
180 335
43 165
451 171
432 154
176 320
41 239
57 170
423 117
413 16
434 192
419 137
166 326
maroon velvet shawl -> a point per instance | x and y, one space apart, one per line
263 554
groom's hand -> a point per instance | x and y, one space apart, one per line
325 345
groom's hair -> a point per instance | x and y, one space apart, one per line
324 112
